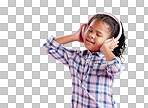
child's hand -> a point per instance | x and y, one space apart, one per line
77 35
110 45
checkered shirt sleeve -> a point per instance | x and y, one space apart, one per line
115 66
57 50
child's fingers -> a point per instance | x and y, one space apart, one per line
115 43
114 46
81 26
112 39
80 29
112 49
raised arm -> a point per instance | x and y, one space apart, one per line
70 38
114 64
107 49
65 39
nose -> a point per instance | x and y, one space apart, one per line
91 35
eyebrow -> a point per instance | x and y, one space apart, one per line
96 30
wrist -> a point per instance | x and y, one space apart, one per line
103 48
73 37
107 53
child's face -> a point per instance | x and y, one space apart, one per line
97 32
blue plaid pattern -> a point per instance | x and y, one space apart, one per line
92 76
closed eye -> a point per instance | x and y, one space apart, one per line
90 30
98 35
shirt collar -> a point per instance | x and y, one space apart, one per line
85 52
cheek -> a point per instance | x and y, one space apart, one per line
85 35
99 41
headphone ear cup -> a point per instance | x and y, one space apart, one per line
83 30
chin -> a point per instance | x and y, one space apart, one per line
92 50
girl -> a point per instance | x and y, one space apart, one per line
92 70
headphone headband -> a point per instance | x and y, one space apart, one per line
111 15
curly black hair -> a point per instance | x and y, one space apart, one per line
114 29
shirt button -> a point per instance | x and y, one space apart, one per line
87 63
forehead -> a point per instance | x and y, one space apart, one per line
100 26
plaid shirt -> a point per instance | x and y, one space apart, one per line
92 76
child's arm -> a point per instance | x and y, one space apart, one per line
54 47
57 50
107 53
70 38
65 39
114 64
107 49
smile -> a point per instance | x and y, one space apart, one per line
89 42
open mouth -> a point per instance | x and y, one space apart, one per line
89 41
